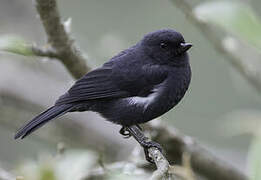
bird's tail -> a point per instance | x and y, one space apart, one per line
41 119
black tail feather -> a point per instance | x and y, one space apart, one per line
41 119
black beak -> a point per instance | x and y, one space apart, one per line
185 46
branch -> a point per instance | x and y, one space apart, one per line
203 162
243 67
161 163
59 40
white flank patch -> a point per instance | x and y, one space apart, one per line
143 101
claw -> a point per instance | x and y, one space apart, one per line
150 144
136 132
147 156
146 146
126 134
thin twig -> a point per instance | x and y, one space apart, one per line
44 52
59 40
242 65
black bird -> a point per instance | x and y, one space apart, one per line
135 86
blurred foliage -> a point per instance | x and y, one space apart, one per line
77 165
235 17
240 20
117 175
15 44
242 123
73 164
254 158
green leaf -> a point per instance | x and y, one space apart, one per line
17 45
234 17
254 158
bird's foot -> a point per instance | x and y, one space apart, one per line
124 132
149 144
137 133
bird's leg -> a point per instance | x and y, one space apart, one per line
140 128
123 131
137 133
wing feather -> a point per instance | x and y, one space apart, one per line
97 84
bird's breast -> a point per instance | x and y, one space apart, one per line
162 98
140 109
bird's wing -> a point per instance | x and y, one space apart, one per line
97 84
116 79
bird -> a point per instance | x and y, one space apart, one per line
137 85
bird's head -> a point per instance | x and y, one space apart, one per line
166 47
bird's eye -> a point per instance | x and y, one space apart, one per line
163 45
